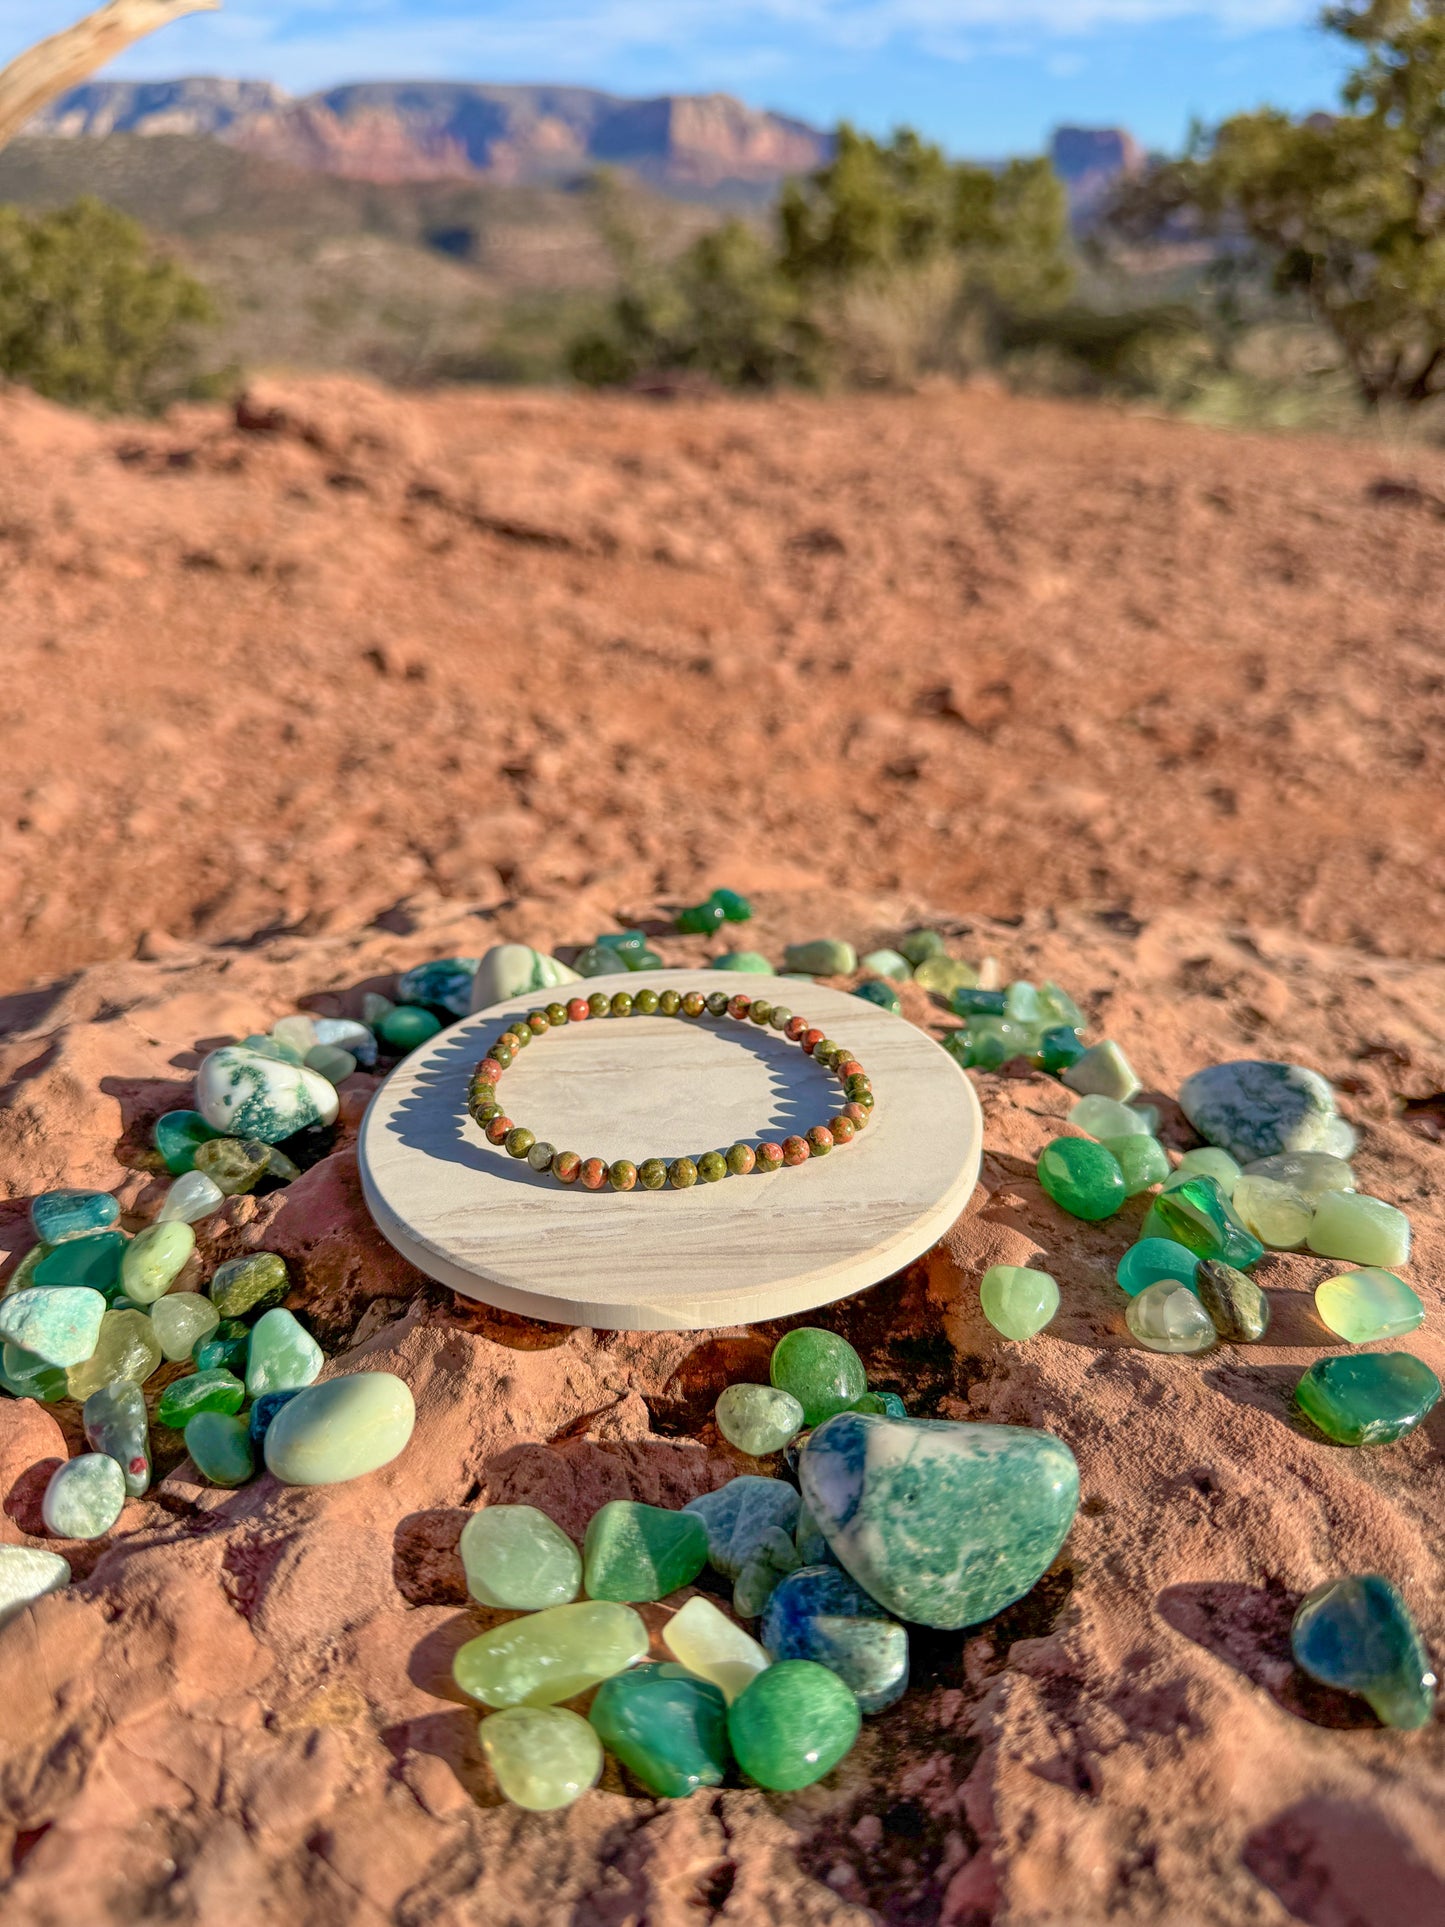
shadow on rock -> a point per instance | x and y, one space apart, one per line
1338 1863
1248 1628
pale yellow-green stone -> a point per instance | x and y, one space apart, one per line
548 1656
154 1259
1106 1117
1167 1317
1362 1306
517 1558
1209 1162
340 1429
1362 1231
1017 1301
1277 1214
179 1319
707 1643
543 1757
1312 1173
127 1348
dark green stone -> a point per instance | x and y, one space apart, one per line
875 991
1357 1634
643 960
1198 1216
1059 1046
623 943
701 919
202 1392
667 1727
1238 1309
735 908
969 1002
227 1348
821 1370
1082 1178
250 1284
92 1261
793 1724
406 1026
636 1552
1368 1398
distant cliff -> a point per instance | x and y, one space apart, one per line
1089 160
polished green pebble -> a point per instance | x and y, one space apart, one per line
154 1259
178 1135
26 1574
57 1217
1017 1301
667 1727
58 1324
704 1640
249 1284
125 1347
234 1165
700 919
282 1357
1143 1160
213 1391
1237 1308
919 945
875 991
758 1419
1105 1071
1197 1214
1311 1173
1106 1118
1277 1214
823 957
542 1757
24 1375
552 1655
1059 1046
84 1497
821 1370
793 1725
180 1321
751 962
634 1551
1208 1161
1082 1178
333 1061
1360 1230
92 1261
226 1348
1361 1306
340 1429
1368 1398
518 1559
220 1446
943 977
1358 1635
407 1025
887 963
1168 1317
735 908
115 1423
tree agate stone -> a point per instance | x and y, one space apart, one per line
793 1725
1105 1117
58 1324
943 1523
1198 1214
1143 1160
190 1199
1208 1161
27 1573
234 1165
178 1135
115 1423
225 1349
1370 1398
1103 1071
340 1429
213 1391
1238 1309
1016 1301
244 1094
738 1516
1361 1306
1277 1214
154 1259
821 1614
669 1729
1311 1173
825 957
283 1356
90 1261
446 982
821 1370
25 1376
84 1497
550 1656
180 1321
1082 1178
1362 1231
542 1757
516 1558
248 1284
58 1216
708 1643
1168 1317
758 1419
1255 1110
220 1447
635 1551
1358 1635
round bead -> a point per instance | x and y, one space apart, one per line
484 1109
856 1115
645 1002
855 1086
843 1128
693 1003
538 1021
717 1002
578 1010
849 1067
490 1069
741 1159
519 1141
557 1015
761 1011
796 1150
503 1053
820 1141
739 1006
711 1166
598 1004
826 1053
622 1175
769 1156
622 1004
520 1033
594 1173
780 1017
810 1040
795 1028
682 1173
652 1174
566 1167
497 1129
865 1099
669 1002
540 1156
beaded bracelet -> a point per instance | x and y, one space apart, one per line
652 1174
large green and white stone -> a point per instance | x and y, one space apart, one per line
943 1523
246 1095
27 1573
512 969
282 1356
84 1497
57 1323
1255 1109
340 1429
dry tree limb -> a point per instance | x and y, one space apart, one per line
66 58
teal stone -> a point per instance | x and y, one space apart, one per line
792 1725
517 1559
668 1728
1058 1048
1198 1214
404 1028
824 957
84 1497
116 1424
1153 1259
58 1324
735 908
623 942
875 991
341 1428
773 1558
92 1261
758 1419
1358 1635
58 1216
220 1448
1017 1301
970 1000
154 1259
446 982
245 1094
27 1573
1082 1178
1143 1160
887 963
226 1348
1255 1110
919 945
819 1613
249 1284
820 1369
943 1523
215 1390
1104 1071
752 962
638 1552
283 1356
1362 1306
25 1376
888 1403
1368 1398
191 1198
738 1517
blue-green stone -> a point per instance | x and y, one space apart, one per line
58 1324
225 1348
1059 1047
404 1028
735 908
641 1552
447 982
1358 1635
1256 1110
258 1419
943 1523
220 1446
1151 1259
668 1728
58 1216
84 1497
889 1404
968 1000
1368 1398
792 1725
738 1517
820 1613
875 991
115 1423
93 1261
1198 1214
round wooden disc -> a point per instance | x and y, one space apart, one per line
719 1254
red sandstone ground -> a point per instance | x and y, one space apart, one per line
296 705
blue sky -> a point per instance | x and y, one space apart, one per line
986 77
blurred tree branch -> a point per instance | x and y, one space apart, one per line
66 58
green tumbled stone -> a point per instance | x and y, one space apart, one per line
634 1551
283 1356
887 963
1361 1306
1198 1214
594 961
735 908
1361 1230
248 1093
407 1026
1058 1007
875 991
154 1259
90 1261
191 1198
548 1656
1104 1071
824 957
227 1348
516 1558
25 1376
919 945
542 1757
253 1283
1105 1118
178 1135
125 1347
24 1273
774 1557
1021 1003
180 1320
758 1419
1151 1259
84 1497
740 1517
331 1062
1016 1301
752 962
115 1423
709 1644
234 1165
623 943
669 1729
888 1404
993 1042
58 1324
1311 1173
444 981
793 1725
1143 1160
821 1370
700 919
213 1391
1168 1317
57 1217
1237 1307
1059 1047
944 977
1370 1398
1207 1161
1358 1635
643 960
220 1447
340 1429
1277 1214
969 1000
1082 1178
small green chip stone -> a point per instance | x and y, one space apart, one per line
641 1552
1361 1306
213 1391
669 1729
1016 1301
225 1349
1368 1398
220 1446
821 1370
793 1725
1082 1178
751 962
1059 1047
282 1357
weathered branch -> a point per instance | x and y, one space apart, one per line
49 68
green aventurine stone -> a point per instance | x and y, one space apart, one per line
90 1261
1362 1231
991 1042
758 1419
1168 1317
1143 1160
225 1349
154 1259
824 957
248 1284
1371 1398
667 1728
1236 1305
406 1026
1082 1178
1016 1301
516 1558
283 1356
1361 1306
735 908
1357 1634
220 1446
753 962
635 1551
183 1398
234 1165
58 1324
542 1757
700 919
1198 1214
331 1061
115 1423
178 1135
821 1370
180 1320
25 1376
340 1429
1105 1071
875 991
84 1497
58 1216
548 1656
792 1725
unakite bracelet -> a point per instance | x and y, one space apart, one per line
652 1174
